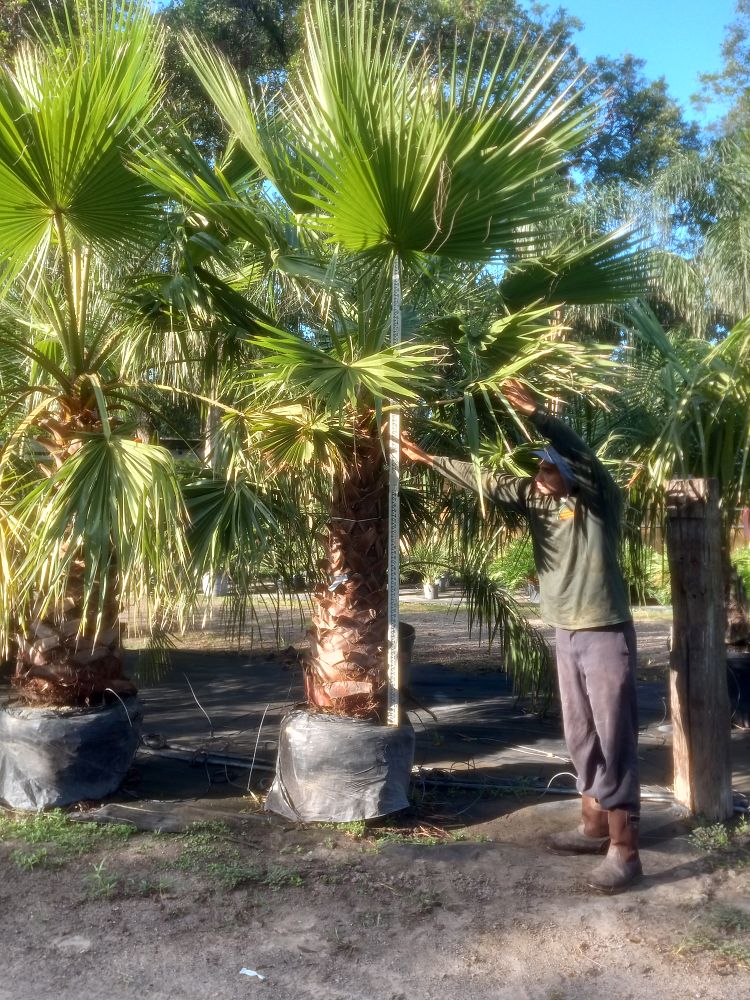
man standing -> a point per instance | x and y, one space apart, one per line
574 508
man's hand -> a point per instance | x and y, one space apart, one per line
413 452
519 397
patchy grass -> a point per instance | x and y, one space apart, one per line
726 938
731 919
56 838
427 836
29 860
206 851
357 829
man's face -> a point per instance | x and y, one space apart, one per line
549 481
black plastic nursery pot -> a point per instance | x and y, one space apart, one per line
333 769
738 679
55 756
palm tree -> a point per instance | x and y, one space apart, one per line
681 411
91 518
411 168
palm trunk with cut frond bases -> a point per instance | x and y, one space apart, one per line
346 673
68 657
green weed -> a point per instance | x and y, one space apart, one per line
393 837
208 830
426 901
151 887
29 860
710 838
277 877
386 837
723 934
205 854
232 873
357 829
100 883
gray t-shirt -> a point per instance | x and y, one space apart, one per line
575 540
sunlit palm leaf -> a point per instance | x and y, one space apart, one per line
116 504
583 272
389 160
67 116
405 164
303 369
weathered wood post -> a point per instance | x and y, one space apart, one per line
698 673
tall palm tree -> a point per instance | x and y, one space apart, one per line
408 165
92 519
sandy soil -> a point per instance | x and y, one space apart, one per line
458 899
323 915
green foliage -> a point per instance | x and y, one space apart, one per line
730 86
259 39
681 412
645 128
514 568
724 933
378 137
118 502
77 228
65 185
710 838
741 562
101 883
60 838
729 918
29 860
726 843
646 573
737 952
429 558
356 829
21 20
204 852
641 124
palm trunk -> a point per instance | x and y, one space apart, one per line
64 659
347 672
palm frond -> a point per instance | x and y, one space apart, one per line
67 114
115 506
335 378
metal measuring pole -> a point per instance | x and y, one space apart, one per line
394 472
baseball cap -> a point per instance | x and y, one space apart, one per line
553 456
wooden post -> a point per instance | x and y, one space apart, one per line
698 672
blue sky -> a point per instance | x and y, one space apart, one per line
678 38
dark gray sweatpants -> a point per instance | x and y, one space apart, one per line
596 673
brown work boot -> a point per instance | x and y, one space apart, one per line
591 836
622 864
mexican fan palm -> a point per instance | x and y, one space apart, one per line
403 167
91 516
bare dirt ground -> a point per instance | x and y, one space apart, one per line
457 899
